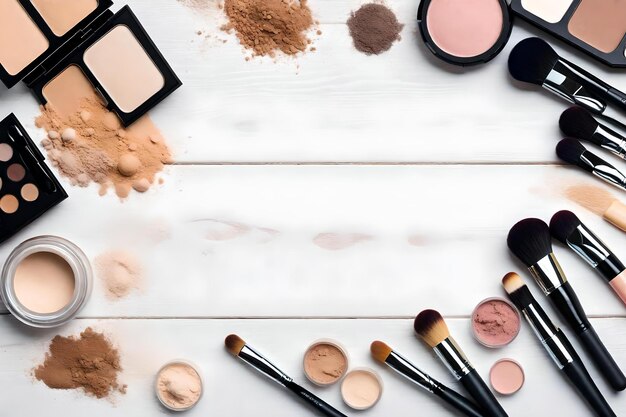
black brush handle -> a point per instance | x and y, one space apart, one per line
313 400
581 379
458 401
475 385
603 359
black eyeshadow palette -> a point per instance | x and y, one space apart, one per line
27 186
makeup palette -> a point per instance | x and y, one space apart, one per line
597 27
40 39
27 186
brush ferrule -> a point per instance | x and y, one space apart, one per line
410 372
601 168
549 335
453 357
258 362
548 274
574 85
611 140
588 246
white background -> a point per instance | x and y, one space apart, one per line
428 165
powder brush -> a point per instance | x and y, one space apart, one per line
556 344
385 355
238 347
531 242
430 325
579 123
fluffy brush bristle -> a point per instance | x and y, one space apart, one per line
563 224
430 325
577 122
593 198
234 344
531 61
530 241
518 292
380 351
570 150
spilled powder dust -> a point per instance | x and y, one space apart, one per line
120 272
339 241
90 145
89 362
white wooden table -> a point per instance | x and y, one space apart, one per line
433 164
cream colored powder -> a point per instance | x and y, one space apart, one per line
361 389
552 11
21 41
63 15
44 282
124 69
120 272
179 386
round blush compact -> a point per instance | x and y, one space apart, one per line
465 32
495 322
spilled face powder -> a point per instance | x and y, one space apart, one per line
374 28
120 272
361 389
178 386
325 362
495 322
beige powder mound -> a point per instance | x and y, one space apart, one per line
120 272
179 386
90 145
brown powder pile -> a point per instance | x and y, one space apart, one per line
267 26
120 273
89 362
90 145
374 28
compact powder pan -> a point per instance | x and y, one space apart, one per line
465 32
597 27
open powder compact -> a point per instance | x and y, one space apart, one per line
40 39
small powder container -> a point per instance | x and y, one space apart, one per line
178 385
325 362
361 389
46 281
27 186
465 32
507 377
495 322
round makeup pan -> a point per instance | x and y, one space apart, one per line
465 32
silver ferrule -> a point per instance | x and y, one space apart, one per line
258 362
453 357
550 336
564 80
603 169
611 141
410 372
548 274
588 246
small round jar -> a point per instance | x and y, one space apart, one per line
495 322
361 389
507 376
187 371
325 362
71 257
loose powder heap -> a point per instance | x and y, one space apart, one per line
325 363
496 323
268 26
88 362
120 273
179 386
374 28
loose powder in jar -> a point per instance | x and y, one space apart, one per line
361 389
44 282
120 272
495 323
374 28
325 363
89 362
179 386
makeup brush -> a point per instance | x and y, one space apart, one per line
429 324
567 228
600 202
573 152
578 123
534 61
385 355
556 344
531 242
240 349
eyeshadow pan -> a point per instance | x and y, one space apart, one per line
63 15
600 23
21 41
9 204
6 152
16 172
552 11
124 69
66 91
30 192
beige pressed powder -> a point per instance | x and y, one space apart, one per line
68 90
63 15
325 362
124 69
44 282
21 41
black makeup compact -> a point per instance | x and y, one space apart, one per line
40 39
27 186
465 32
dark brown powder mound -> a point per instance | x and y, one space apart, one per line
89 362
267 26
374 28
